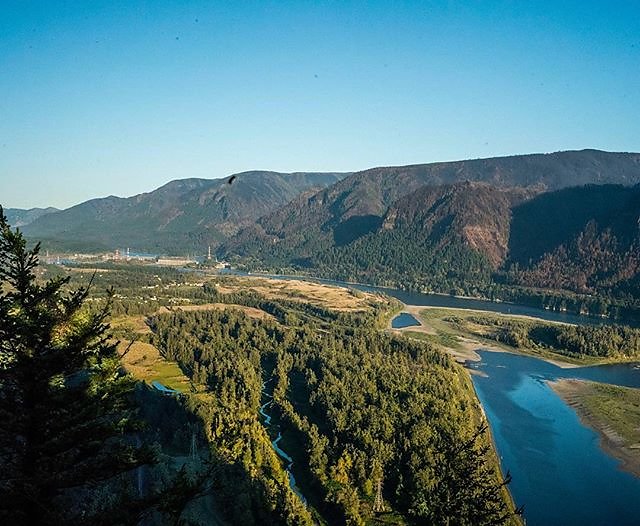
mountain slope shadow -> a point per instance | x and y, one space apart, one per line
354 228
549 220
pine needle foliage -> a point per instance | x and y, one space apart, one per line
68 425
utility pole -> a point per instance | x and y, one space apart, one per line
378 504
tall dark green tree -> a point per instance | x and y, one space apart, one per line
67 417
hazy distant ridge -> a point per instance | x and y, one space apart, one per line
186 214
19 217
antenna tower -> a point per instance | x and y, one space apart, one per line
378 504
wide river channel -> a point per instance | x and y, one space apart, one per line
560 474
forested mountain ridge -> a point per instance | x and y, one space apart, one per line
182 215
189 214
582 239
552 218
369 193
565 220
356 205
476 214
585 239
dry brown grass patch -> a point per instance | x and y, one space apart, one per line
319 294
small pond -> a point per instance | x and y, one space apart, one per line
404 319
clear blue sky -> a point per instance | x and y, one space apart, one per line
119 97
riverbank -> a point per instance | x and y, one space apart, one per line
560 472
512 333
612 411
462 345
282 454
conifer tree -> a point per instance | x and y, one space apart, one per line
67 417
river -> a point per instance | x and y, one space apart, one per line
270 427
560 473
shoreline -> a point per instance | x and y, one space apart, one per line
472 344
496 313
626 454
469 346
571 392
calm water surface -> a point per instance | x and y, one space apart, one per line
404 319
560 473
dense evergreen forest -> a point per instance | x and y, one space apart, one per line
359 410
428 269
381 429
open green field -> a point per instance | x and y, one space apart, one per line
145 363
441 338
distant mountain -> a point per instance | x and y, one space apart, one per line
357 204
371 192
19 217
183 215
430 226
437 235
477 215
566 220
